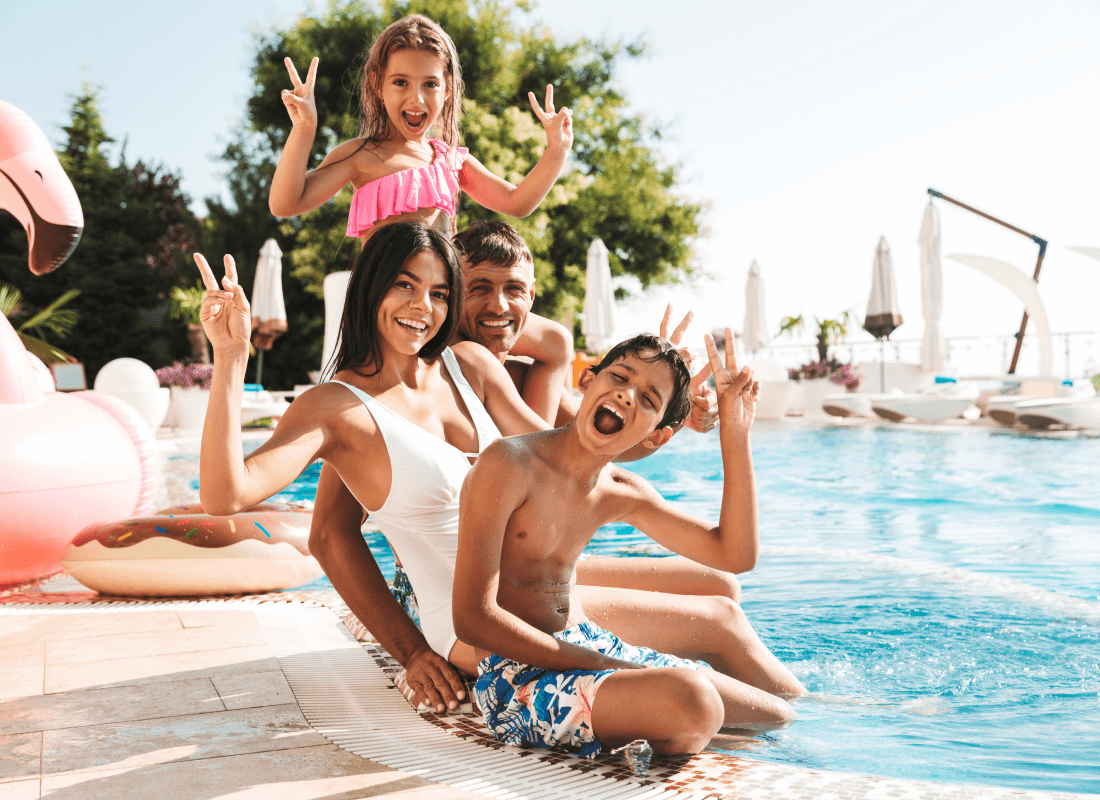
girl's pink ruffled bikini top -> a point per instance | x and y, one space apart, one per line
433 186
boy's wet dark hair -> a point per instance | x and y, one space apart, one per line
493 241
650 348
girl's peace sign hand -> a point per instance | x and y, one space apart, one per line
558 125
225 315
299 102
737 391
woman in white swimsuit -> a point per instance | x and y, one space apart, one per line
400 424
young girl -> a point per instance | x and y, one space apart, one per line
411 85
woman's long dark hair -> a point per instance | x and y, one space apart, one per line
374 273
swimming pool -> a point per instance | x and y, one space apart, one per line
936 591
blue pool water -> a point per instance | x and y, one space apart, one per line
938 593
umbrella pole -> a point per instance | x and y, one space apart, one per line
259 366
1038 264
882 366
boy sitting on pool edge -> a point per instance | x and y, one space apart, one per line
529 507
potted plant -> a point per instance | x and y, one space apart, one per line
190 387
827 374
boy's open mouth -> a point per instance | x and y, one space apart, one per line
415 119
608 420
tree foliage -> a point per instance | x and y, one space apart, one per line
614 190
138 231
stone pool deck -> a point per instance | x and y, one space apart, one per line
273 697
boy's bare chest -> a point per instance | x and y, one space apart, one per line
559 519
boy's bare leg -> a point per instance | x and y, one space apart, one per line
678 710
674 575
712 628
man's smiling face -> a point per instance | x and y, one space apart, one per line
496 303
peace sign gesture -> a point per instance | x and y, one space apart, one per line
737 391
225 315
704 405
299 102
558 125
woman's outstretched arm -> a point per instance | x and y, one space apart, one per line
336 541
229 483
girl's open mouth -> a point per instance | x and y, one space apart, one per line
415 119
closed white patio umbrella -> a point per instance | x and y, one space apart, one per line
268 308
883 311
933 348
599 300
754 333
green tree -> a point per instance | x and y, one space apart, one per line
138 232
615 189
239 227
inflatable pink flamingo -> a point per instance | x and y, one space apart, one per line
66 460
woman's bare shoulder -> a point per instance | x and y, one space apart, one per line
328 403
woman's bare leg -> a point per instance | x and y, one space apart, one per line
673 575
710 627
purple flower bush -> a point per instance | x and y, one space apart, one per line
831 368
186 375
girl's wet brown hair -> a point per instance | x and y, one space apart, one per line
414 32
359 346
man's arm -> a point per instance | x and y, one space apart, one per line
498 393
550 345
336 541
496 486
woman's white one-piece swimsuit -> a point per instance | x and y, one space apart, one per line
420 515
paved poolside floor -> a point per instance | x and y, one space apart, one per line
166 703
170 700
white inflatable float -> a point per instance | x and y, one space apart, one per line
184 552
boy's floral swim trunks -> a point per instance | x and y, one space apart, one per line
525 705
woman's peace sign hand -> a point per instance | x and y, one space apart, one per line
737 391
299 101
558 125
225 314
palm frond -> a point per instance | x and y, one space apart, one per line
44 350
10 298
53 318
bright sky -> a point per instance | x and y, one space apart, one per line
807 129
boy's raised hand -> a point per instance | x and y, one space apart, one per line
299 101
225 314
558 124
737 391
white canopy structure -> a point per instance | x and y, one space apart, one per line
1092 252
933 348
268 307
599 300
754 333
1024 288
883 311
